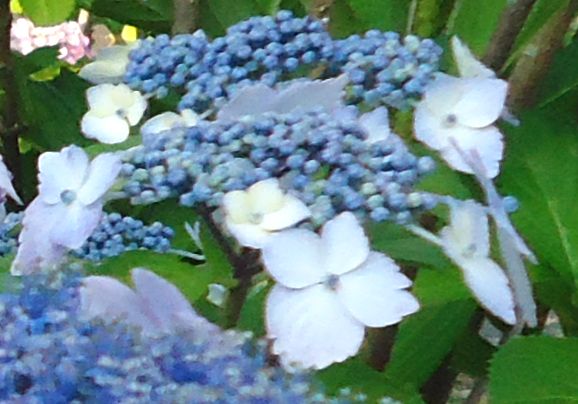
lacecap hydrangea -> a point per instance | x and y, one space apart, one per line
50 355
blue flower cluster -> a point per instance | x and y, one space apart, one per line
9 232
116 234
163 62
386 69
324 161
48 354
383 68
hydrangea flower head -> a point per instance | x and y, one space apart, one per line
253 215
466 240
113 110
329 288
463 109
68 206
109 65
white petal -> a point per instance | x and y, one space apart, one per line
250 100
101 72
265 196
312 94
109 299
237 207
466 62
294 258
481 103
110 129
160 123
135 112
60 171
292 212
75 223
102 174
376 124
490 286
6 182
108 67
374 293
345 245
36 251
100 99
310 328
442 94
166 304
468 233
487 142
428 127
247 234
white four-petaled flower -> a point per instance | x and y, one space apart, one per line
68 206
463 109
253 215
113 110
329 288
466 241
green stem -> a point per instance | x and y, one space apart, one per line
9 120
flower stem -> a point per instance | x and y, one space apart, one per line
186 16
10 126
245 265
535 62
503 39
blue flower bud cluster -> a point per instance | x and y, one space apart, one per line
384 69
326 162
116 234
49 354
162 62
9 232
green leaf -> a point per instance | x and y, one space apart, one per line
400 244
476 21
48 12
191 280
541 12
229 12
37 60
541 170
153 15
252 316
472 354
52 110
427 337
535 370
562 76
361 378
356 16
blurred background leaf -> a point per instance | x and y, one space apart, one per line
48 12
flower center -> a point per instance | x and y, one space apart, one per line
332 282
470 250
67 196
451 120
255 217
121 113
